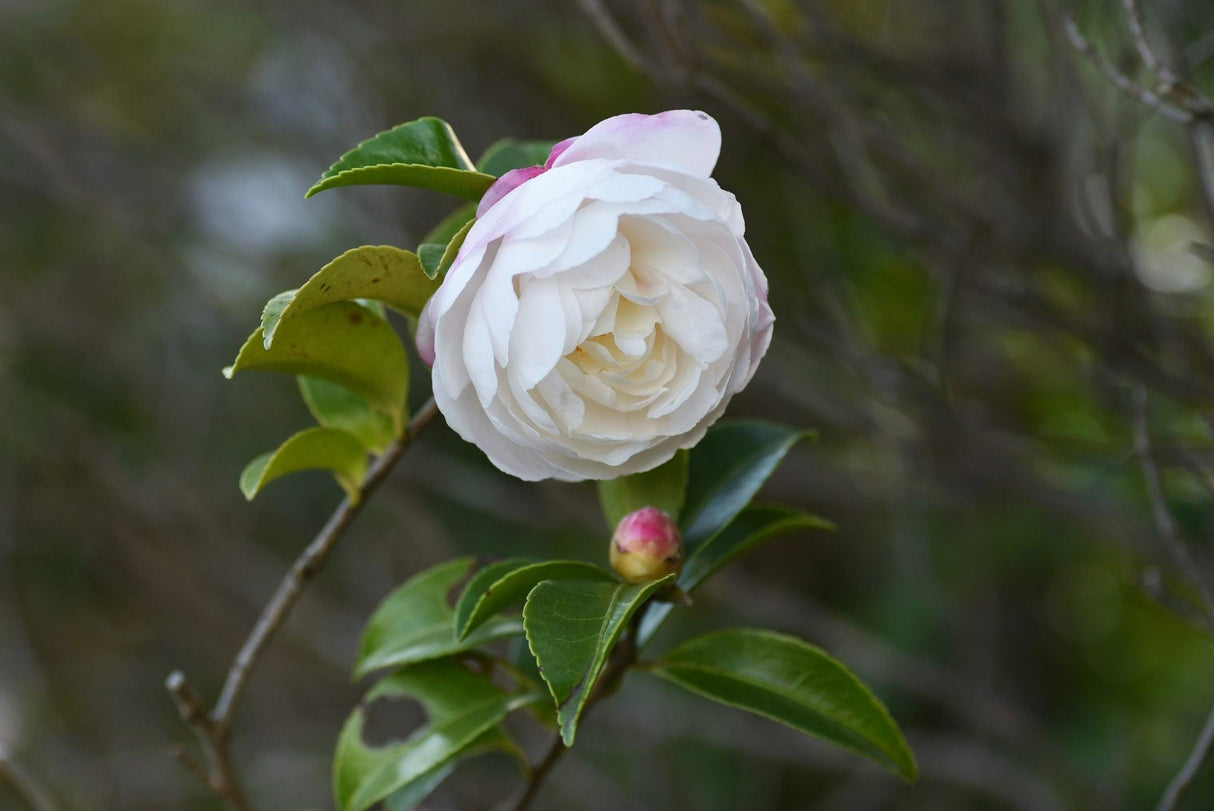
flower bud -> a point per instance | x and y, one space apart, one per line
646 546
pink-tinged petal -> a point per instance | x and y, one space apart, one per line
687 139
425 336
506 184
557 150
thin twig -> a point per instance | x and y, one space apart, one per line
610 29
1118 79
25 788
213 729
219 777
1197 758
1154 64
1165 524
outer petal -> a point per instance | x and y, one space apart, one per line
506 184
687 139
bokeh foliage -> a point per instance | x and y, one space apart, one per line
976 247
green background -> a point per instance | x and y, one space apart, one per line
971 242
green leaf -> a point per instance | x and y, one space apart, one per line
725 471
424 153
313 449
790 681
416 623
507 154
437 258
572 625
274 307
441 234
377 272
663 487
335 406
500 585
430 254
752 526
341 342
463 708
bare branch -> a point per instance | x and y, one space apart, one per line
1118 79
25 788
1154 64
213 729
218 777
612 32
1165 524
1197 758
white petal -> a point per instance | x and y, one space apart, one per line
688 139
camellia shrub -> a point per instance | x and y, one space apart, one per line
587 314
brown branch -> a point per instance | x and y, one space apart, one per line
25 788
623 657
1197 758
213 729
1165 524
218 776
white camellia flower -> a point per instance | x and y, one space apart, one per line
604 306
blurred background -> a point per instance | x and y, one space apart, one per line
991 271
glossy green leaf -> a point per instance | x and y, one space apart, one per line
412 795
463 708
751 526
507 154
572 625
436 259
430 254
790 681
424 153
441 234
377 272
416 622
313 449
342 342
663 487
336 406
500 585
725 471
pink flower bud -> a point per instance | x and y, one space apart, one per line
646 546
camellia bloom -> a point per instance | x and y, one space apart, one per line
646 546
604 307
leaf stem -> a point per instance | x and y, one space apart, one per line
623 658
214 729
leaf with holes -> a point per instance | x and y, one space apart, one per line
790 681
464 708
377 272
424 153
342 342
572 625
500 585
314 449
416 622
